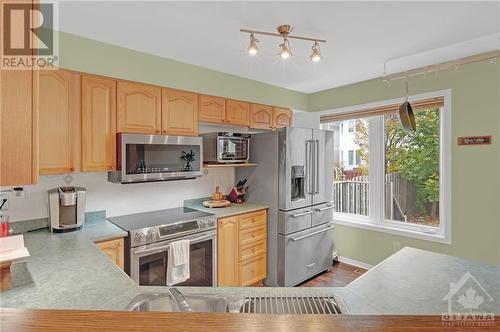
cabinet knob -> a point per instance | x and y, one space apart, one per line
72 169
157 131
164 131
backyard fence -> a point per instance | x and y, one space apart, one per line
352 196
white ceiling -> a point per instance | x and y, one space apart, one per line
361 36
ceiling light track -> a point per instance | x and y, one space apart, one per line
285 48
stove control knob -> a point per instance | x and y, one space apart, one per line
139 237
150 235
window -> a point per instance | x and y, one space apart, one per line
405 188
352 125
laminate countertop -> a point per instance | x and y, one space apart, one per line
229 211
67 271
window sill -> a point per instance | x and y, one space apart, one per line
416 234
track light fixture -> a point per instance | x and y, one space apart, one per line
285 49
252 47
316 54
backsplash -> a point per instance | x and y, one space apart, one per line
119 199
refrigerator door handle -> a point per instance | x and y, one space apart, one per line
316 167
309 167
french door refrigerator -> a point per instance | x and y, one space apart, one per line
294 177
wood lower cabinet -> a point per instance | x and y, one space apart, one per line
179 112
212 109
98 124
114 250
18 127
237 113
139 108
59 122
282 117
227 251
241 249
261 116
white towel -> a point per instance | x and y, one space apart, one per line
178 262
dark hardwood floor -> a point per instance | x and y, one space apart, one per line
340 275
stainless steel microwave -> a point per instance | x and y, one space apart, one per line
224 147
145 158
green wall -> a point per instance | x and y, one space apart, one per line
90 56
475 108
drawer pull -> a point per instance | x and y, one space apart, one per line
301 214
329 207
314 233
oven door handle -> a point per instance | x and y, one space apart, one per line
165 247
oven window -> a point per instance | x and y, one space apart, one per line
232 149
152 270
200 264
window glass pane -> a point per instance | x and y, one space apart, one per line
412 169
350 187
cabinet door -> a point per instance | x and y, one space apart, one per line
114 250
18 128
237 112
179 112
227 251
98 124
212 109
59 126
282 117
261 116
139 108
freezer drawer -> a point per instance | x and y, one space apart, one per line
294 221
304 254
322 214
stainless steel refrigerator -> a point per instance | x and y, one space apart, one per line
294 176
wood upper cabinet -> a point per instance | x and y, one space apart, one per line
114 250
212 109
98 124
282 117
18 127
179 112
227 251
261 116
237 112
59 126
139 108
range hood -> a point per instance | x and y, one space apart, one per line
147 158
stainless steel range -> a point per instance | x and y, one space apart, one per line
150 235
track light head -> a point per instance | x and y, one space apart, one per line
285 50
252 47
316 54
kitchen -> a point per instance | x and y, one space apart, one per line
143 151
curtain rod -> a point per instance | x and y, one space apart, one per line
444 65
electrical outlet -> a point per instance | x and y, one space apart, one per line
396 246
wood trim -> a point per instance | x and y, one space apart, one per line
382 110
30 320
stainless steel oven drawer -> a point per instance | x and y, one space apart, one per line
304 254
322 214
294 221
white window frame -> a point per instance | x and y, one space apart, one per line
376 220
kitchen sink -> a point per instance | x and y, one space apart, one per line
167 302
294 304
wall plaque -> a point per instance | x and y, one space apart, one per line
474 140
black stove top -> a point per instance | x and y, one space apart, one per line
157 218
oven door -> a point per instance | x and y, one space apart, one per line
232 149
148 264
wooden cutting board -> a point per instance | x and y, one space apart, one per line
217 204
